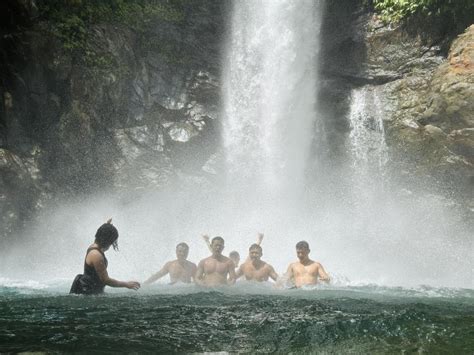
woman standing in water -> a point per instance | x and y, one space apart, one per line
95 276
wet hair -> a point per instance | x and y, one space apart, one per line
107 236
183 244
302 245
217 238
234 254
255 246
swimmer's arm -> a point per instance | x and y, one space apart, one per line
206 239
98 262
289 273
273 274
287 277
164 270
193 272
231 269
239 272
259 238
323 275
198 278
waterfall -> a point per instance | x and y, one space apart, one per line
367 137
270 93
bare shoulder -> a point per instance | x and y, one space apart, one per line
246 265
169 264
228 260
316 266
203 261
268 266
94 256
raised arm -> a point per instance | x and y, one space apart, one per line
323 275
208 243
164 270
259 238
97 260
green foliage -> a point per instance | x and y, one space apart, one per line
392 11
70 21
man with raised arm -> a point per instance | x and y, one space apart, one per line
255 269
233 255
180 270
305 271
217 269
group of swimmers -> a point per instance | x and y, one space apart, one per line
215 270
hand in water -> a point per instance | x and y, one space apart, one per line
281 282
133 285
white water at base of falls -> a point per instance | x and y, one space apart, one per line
362 231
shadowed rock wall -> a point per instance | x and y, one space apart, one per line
69 127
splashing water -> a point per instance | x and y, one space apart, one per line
270 93
367 232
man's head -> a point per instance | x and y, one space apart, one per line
182 251
255 252
235 257
217 245
302 250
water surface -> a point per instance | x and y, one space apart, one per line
248 318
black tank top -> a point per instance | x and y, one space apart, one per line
96 283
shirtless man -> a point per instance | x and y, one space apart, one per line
305 271
256 269
217 269
180 270
233 255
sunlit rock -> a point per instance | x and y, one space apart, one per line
434 131
182 132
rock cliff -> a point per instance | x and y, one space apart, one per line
138 108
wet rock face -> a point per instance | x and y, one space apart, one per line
18 189
432 116
151 117
131 125
424 84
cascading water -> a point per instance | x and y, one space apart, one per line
367 136
270 94
367 233
358 228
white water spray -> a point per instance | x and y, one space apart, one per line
270 94
270 90
367 137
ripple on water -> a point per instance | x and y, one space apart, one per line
248 319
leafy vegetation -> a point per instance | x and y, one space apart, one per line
70 21
392 11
